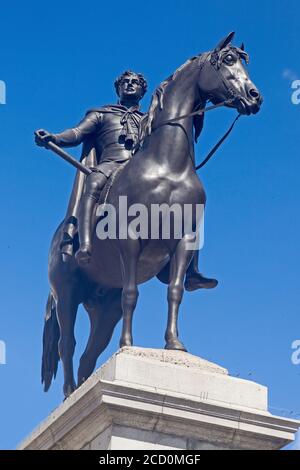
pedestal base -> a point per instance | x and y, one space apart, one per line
158 399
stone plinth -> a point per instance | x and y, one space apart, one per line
158 399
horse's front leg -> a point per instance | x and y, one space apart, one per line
178 266
129 254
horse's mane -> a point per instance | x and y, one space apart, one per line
157 101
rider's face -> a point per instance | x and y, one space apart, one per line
130 88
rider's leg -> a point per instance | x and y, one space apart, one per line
194 280
70 227
94 184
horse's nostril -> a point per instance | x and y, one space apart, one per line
254 93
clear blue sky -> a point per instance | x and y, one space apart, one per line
58 59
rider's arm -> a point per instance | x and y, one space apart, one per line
74 136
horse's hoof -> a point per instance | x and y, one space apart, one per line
81 380
197 281
83 255
69 389
175 345
125 343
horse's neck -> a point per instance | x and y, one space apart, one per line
174 142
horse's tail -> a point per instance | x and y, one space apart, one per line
50 344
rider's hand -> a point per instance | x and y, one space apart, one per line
42 137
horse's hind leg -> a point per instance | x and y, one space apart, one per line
104 313
66 310
178 265
129 253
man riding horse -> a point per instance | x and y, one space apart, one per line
108 135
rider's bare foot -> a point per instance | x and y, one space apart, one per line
83 255
196 281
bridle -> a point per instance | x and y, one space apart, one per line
232 96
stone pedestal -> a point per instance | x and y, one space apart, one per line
158 399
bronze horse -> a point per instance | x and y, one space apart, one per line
161 171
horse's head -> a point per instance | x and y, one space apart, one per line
224 77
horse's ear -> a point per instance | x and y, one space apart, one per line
242 46
225 42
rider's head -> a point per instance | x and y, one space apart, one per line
130 87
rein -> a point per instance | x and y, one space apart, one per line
195 113
218 144
199 112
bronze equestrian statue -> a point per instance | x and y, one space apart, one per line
104 274
109 134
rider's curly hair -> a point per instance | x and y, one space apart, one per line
140 76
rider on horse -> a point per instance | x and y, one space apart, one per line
111 131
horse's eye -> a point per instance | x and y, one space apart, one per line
230 59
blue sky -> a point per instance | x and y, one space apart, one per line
57 61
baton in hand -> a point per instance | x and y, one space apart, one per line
67 157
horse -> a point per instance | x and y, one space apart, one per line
162 170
